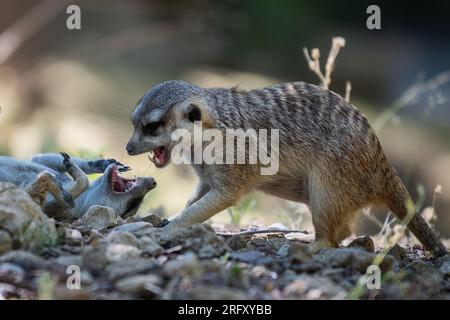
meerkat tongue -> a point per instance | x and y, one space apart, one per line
159 156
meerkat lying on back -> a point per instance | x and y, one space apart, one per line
60 184
329 156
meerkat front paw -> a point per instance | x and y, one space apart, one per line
67 162
102 164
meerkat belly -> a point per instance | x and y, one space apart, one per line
294 188
20 173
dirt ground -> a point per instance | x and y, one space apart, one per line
102 256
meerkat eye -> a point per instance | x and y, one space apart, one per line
150 128
194 114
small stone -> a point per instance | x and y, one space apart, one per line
314 287
251 256
94 256
149 246
27 260
445 268
98 255
153 219
24 220
99 217
276 242
11 273
185 265
73 237
62 292
236 242
5 242
7 291
355 258
139 229
200 238
140 284
119 252
121 269
211 292
122 237
299 253
69 260
365 243
259 242
397 252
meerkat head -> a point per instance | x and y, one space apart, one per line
163 109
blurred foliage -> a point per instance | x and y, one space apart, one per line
237 212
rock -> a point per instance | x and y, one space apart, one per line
24 220
94 256
185 265
397 252
313 287
251 256
140 284
356 258
27 260
236 242
259 242
61 292
5 242
153 219
73 237
277 241
365 243
149 246
69 260
120 252
11 273
199 238
299 253
445 268
419 280
98 255
121 269
7 291
443 263
99 217
122 237
210 292
139 229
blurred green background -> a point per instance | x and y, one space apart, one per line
74 90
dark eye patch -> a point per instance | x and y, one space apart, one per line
150 129
195 114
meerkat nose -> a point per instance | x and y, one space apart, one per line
130 149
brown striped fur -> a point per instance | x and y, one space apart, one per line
330 157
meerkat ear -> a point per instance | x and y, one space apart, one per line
198 112
194 113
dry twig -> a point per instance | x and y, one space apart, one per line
314 63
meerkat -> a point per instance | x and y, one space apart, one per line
59 184
329 156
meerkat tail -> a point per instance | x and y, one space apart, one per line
400 203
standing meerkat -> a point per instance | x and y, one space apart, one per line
329 156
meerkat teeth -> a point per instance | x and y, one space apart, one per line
150 158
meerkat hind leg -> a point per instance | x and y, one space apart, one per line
46 183
79 177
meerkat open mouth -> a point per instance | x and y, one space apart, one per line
159 156
122 185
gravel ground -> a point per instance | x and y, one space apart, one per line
117 259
